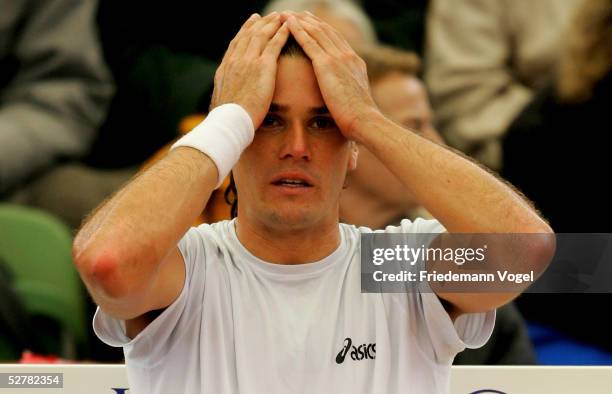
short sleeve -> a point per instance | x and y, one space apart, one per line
433 323
418 226
470 330
158 337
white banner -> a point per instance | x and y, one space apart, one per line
112 379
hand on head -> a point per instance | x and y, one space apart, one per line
247 73
341 73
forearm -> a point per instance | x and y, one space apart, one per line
126 238
463 196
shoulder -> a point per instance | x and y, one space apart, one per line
419 225
205 238
213 232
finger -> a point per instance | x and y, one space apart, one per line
243 44
285 15
245 26
308 44
275 45
333 34
262 36
315 30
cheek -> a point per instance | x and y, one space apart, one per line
255 156
337 165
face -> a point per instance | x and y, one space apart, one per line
292 174
403 99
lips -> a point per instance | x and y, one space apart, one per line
292 179
291 183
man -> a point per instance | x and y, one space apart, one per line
271 302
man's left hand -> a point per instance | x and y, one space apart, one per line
340 72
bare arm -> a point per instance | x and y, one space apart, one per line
461 195
465 199
127 252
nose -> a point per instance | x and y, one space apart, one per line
296 143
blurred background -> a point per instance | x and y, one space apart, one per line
91 92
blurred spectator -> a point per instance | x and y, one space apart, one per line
163 58
345 15
557 150
484 61
54 86
375 197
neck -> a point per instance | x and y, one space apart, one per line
282 246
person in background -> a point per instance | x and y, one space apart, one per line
163 70
54 88
484 61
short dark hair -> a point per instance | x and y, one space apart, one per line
231 196
291 49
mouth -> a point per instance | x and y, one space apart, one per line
292 182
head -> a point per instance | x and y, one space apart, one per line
292 174
346 16
398 90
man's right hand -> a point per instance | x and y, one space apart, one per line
247 73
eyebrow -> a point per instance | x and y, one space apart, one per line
284 108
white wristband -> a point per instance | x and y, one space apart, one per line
222 136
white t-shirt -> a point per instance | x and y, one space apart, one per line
242 325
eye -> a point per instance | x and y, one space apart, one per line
323 123
270 121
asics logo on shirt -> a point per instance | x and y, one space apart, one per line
362 352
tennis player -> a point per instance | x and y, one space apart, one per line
270 302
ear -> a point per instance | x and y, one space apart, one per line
354 154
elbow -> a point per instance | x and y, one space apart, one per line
541 246
101 270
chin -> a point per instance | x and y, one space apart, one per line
291 217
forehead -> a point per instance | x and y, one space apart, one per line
296 84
